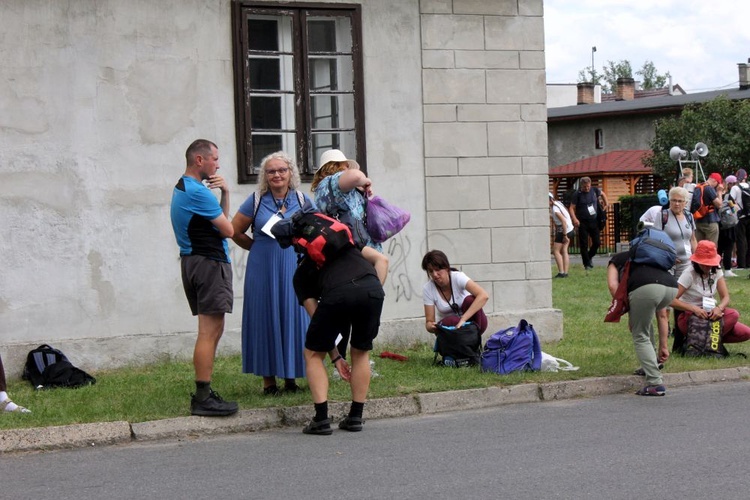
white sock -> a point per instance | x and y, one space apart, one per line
11 406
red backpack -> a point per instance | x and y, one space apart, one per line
319 236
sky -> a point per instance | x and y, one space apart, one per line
699 42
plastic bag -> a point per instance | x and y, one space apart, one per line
553 364
384 220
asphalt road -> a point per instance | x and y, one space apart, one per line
692 444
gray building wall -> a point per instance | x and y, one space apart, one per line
100 98
573 140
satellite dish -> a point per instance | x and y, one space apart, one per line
677 153
701 150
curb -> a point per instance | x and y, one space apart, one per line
109 433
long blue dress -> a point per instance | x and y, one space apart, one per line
274 325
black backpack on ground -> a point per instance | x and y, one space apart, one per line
459 347
47 367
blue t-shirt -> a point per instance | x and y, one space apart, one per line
193 209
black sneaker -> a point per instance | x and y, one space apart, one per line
352 424
213 406
322 428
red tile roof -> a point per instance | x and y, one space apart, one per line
630 161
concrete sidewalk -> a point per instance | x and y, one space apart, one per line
109 433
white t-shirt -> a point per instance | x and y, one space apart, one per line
432 297
697 287
736 194
652 215
559 208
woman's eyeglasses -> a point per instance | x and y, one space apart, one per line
280 171
676 201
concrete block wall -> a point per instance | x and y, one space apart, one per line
485 140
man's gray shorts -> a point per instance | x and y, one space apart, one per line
207 284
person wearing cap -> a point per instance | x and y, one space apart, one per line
741 194
650 290
707 216
728 233
563 234
696 290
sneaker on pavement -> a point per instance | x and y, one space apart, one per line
652 390
730 274
352 424
322 428
213 406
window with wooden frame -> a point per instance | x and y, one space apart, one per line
298 83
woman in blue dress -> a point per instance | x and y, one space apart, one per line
273 323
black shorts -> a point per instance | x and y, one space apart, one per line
207 284
559 236
357 303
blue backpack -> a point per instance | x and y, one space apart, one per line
512 349
653 248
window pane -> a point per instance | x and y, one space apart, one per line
345 141
269 33
265 144
329 34
332 111
266 112
264 74
272 112
263 34
331 73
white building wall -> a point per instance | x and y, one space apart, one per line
100 98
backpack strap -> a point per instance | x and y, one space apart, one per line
664 218
256 206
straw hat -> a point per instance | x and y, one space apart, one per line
705 253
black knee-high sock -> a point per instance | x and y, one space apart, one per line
321 411
356 409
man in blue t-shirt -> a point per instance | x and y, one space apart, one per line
201 228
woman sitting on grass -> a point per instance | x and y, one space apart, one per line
446 289
697 287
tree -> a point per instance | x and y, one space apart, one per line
651 78
589 75
612 72
722 124
623 69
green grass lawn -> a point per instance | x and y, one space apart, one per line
138 394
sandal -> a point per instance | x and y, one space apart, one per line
322 428
17 409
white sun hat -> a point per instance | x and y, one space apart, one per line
337 156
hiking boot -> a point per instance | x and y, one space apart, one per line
652 390
322 428
352 424
213 406
641 373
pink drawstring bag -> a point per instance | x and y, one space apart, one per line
384 220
